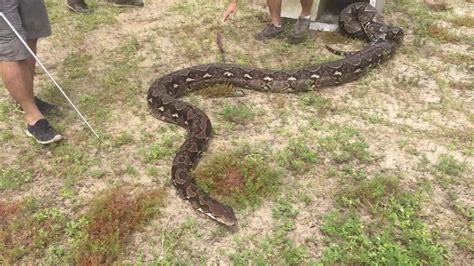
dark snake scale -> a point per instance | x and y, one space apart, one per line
359 20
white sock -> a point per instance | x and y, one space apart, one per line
307 17
278 26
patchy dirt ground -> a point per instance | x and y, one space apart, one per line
379 170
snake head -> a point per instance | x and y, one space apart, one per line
222 213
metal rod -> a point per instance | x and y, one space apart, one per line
47 73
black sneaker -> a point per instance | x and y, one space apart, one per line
44 107
124 3
270 31
299 29
78 6
43 132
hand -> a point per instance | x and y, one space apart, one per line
230 11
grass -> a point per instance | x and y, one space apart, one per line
76 65
345 145
448 165
174 243
26 228
351 244
322 106
463 21
393 233
165 148
239 114
99 236
368 192
298 157
442 34
276 247
240 177
12 178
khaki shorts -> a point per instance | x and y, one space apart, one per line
30 19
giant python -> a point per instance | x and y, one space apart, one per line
358 20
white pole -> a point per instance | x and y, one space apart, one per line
47 73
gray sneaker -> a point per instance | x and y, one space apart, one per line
299 29
270 31
78 6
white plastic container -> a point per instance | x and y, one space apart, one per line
325 13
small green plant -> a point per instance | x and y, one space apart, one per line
283 209
99 236
394 215
369 192
345 145
321 104
123 139
13 178
27 229
176 250
240 177
297 156
76 65
448 165
164 148
442 34
352 242
463 21
277 247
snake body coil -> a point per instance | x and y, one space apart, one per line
359 20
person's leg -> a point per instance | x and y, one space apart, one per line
18 71
30 60
18 80
274 28
14 66
274 6
298 31
36 24
306 7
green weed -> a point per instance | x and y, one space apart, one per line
277 247
164 148
448 165
297 156
463 21
13 178
369 192
239 114
322 105
76 65
344 145
403 239
240 177
27 229
176 250
100 235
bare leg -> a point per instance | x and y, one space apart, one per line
306 7
31 61
274 6
18 80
